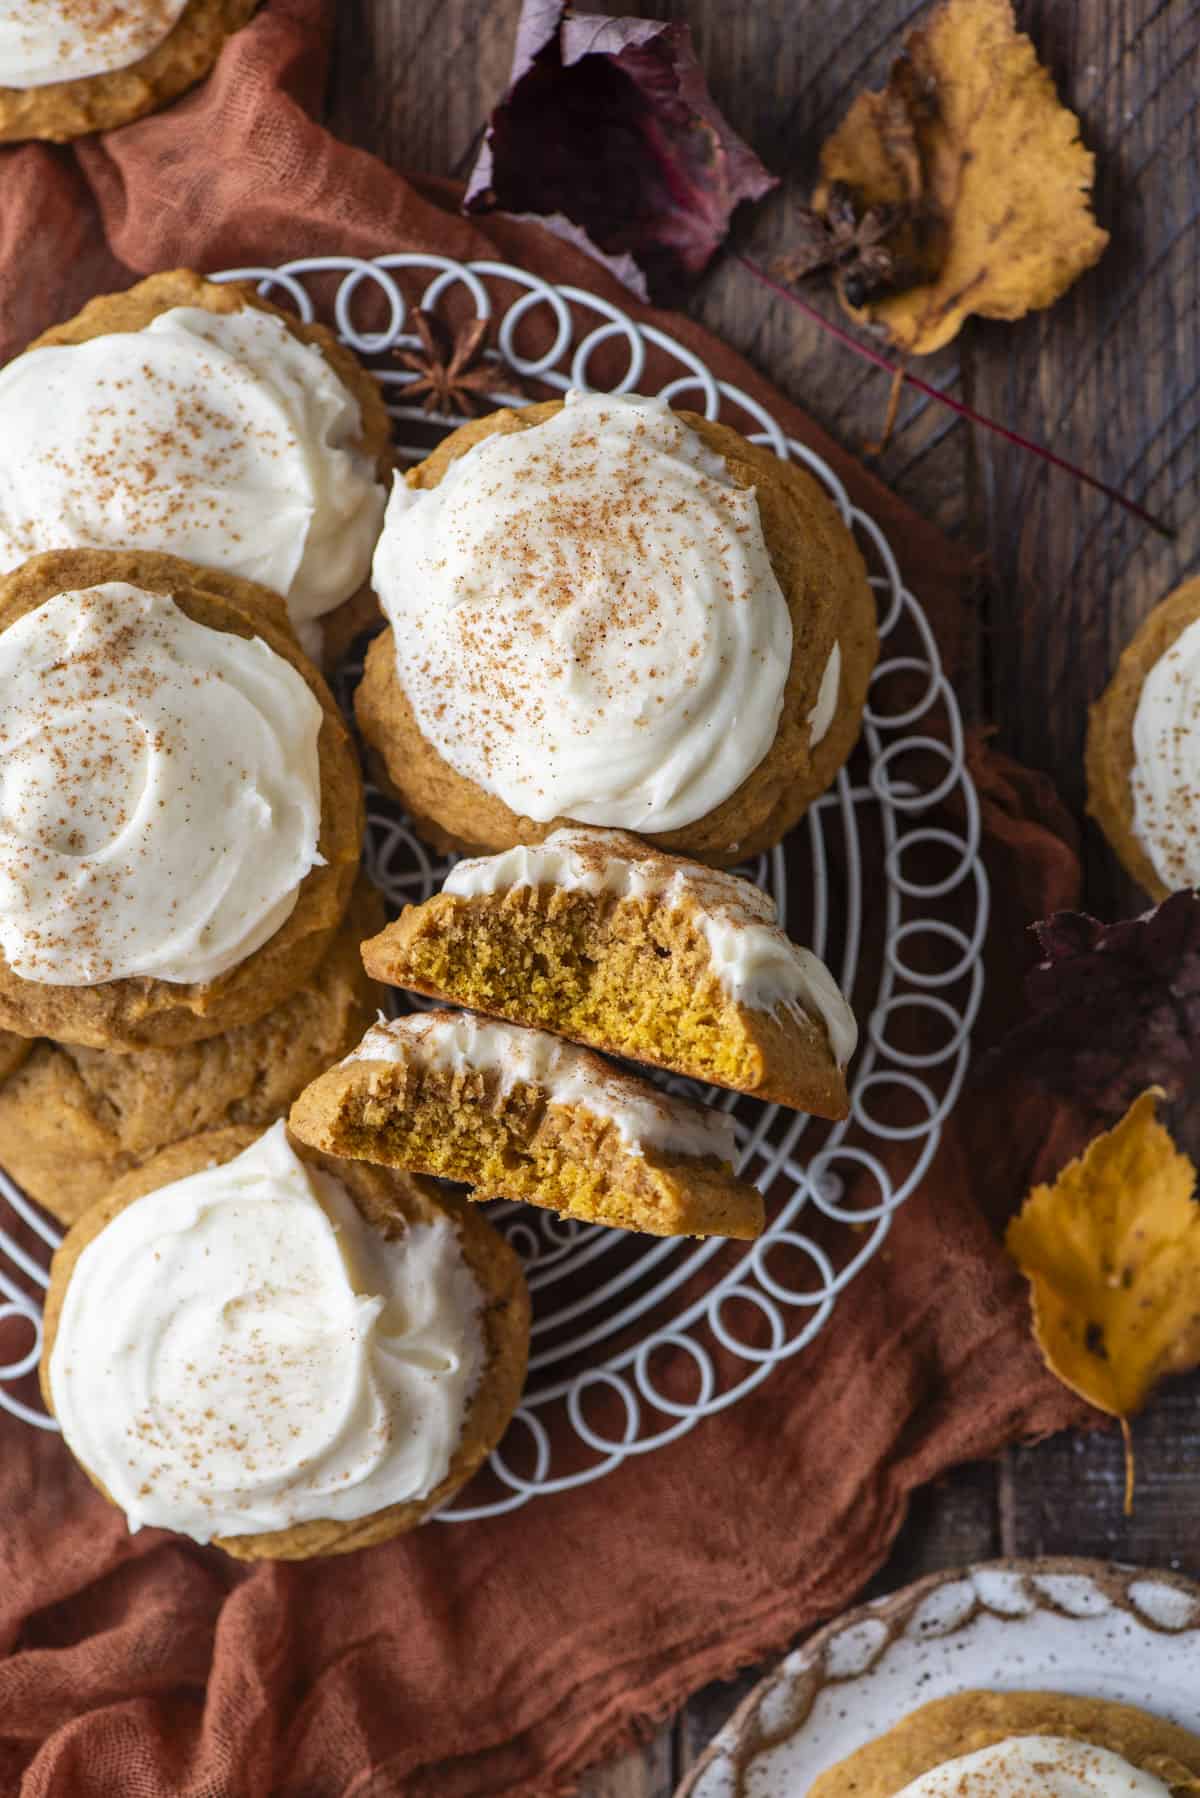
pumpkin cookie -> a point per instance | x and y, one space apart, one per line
595 936
284 1354
518 1114
194 418
74 1120
1143 749
184 811
68 67
610 613
14 1051
984 1744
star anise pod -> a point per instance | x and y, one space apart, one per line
452 372
853 245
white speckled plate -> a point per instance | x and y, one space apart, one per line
1077 1627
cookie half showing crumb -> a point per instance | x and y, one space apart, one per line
14 1052
288 1356
1007 1744
519 1114
596 936
74 1120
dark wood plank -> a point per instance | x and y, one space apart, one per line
414 80
1066 1496
647 1772
1111 377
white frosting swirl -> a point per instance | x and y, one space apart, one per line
218 437
461 1042
66 40
1165 778
756 963
586 620
1037 1767
240 1351
160 795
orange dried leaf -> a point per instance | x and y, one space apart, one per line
970 139
1112 1254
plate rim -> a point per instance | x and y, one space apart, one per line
1114 1578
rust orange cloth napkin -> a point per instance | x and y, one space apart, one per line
497 1657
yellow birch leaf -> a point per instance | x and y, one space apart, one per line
1112 1255
969 134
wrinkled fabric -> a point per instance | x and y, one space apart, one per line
501 1656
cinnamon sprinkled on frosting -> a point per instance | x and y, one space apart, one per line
1165 778
240 1351
218 437
1038 1767
586 619
159 791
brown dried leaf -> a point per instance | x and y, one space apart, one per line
1112 1254
969 137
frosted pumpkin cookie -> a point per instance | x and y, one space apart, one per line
193 418
286 1355
183 810
594 935
1143 749
74 1120
68 67
610 613
1015 1744
519 1114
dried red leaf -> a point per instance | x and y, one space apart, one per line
608 127
1115 1009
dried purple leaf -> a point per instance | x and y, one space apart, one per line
608 124
1115 1009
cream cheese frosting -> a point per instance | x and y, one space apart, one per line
1038 1767
218 437
1165 777
160 795
67 40
585 617
825 710
461 1042
756 963
240 1351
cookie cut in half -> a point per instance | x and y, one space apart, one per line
288 1356
597 936
519 1114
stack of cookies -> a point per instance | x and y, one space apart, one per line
624 648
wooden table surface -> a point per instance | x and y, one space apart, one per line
1110 377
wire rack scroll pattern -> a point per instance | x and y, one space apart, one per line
613 1311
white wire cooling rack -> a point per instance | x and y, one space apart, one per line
637 1339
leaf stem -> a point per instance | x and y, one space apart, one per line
934 393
